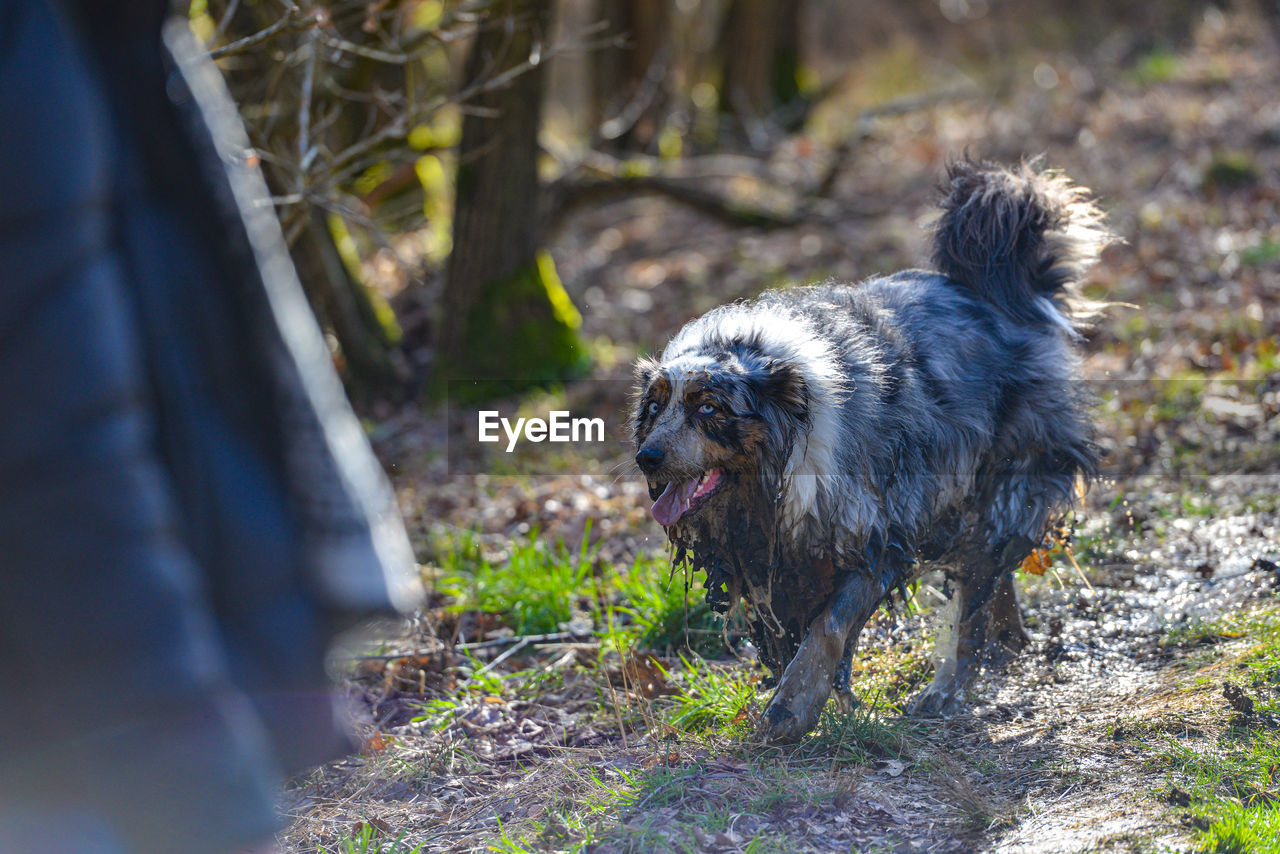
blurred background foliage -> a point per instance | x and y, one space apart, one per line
422 152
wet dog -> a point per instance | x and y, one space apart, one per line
814 449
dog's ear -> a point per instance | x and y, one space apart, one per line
782 385
645 368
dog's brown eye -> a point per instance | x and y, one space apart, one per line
707 409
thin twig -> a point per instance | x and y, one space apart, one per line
503 657
617 710
1080 571
643 97
289 23
488 644
304 108
225 21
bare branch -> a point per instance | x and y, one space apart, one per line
225 20
291 22
304 108
602 178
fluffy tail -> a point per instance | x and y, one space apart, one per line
1019 239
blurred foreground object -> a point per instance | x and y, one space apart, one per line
188 506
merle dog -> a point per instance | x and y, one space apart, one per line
813 449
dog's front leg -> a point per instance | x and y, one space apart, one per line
807 681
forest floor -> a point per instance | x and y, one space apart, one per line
561 693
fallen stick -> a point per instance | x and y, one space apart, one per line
488 644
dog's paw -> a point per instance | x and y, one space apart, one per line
778 725
937 700
796 706
790 718
1005 647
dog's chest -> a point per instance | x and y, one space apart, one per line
744 557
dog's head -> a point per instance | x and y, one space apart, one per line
715 426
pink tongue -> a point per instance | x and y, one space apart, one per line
673 502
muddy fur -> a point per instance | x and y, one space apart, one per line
859 432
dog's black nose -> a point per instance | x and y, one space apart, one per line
649 459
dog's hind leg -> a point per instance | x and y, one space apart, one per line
982 609
937 696
844 676
1006 635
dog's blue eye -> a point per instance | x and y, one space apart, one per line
653 408
707 409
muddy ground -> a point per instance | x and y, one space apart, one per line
1055 753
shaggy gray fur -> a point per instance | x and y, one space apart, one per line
934 415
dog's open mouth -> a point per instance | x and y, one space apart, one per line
683 496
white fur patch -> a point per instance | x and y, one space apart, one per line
813 468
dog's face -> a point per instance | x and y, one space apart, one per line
709 427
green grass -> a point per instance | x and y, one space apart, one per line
1197 632
1242 830
646 612
668 610
368 839
575 822
1179 396
1230 170
1231 788
537 588
1262 504
1232 780
1266 252
711 696
859 737
1159 66
892 674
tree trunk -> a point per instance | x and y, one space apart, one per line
369 370
760 43
631 87
747 89
786 52
507 322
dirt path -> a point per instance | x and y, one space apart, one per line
1109 663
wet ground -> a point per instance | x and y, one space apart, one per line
1111 656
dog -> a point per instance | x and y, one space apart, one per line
815 449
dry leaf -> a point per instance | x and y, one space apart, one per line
645 676
376 743
1038 561
728 839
